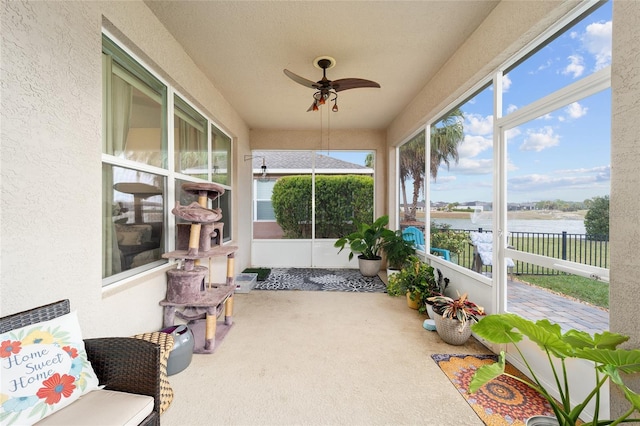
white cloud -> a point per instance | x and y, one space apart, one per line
575 110
511 108
575 67
472 146
539 140
597 41
473 166
506 83
512 133
572 180
477 124
545 65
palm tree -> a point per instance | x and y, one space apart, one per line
446 135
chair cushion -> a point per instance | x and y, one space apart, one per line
103 407
44 369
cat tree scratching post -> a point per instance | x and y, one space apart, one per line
187 295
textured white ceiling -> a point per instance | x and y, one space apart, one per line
243 47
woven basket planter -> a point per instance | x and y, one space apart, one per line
450 331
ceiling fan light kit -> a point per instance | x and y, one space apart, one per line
325 87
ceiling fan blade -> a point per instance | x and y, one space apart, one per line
352 83
301 80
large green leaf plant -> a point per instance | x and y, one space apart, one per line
367 240
610 362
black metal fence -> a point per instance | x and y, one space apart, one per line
590 250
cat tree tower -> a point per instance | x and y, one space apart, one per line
191 295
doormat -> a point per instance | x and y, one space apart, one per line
503 401
263 273
315 279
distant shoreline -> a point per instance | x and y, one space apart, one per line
520 214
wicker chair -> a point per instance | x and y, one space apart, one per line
121 363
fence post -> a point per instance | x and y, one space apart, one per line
564 245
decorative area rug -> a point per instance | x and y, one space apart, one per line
503 401
314 279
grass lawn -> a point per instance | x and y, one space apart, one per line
585 289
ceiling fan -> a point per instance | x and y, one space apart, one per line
325 87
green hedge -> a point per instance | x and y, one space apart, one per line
339 200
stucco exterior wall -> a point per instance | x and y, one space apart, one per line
625 180
51 114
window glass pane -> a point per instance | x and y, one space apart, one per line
343 191
185 198
286 190
133 219
264 210
561 170
263 207
461 172
411 159
579 51
220 156
133 117
191 156
224 202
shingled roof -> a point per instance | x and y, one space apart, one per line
302 160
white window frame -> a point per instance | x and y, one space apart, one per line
169 173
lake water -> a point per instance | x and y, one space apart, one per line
520 225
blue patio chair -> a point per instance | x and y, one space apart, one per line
411 233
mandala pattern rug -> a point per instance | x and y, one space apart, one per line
315 279
503 401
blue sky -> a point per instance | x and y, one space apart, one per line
563 155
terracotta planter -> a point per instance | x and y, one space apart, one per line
450 331
415 303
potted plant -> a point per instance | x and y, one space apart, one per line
367 242
453 317
610 363
415 280
398 251
443 237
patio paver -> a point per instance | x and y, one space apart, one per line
535 303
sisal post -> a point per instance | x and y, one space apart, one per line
194 238
210 330
228 311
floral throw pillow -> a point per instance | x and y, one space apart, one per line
43 368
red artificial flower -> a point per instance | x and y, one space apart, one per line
56 387
73 352
8 348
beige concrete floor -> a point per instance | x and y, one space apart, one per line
321 358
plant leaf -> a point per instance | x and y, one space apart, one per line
486 373
497 329
614 375
626 361
605 340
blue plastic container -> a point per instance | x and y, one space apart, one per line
182 352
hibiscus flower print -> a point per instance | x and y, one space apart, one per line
9 347
73 352
55 387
